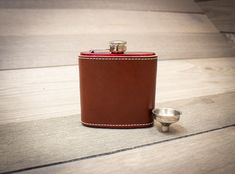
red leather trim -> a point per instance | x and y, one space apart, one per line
127 54
118 58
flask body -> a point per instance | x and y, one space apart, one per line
117 90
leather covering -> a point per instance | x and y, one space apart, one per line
117 90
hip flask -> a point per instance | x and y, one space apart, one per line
117 87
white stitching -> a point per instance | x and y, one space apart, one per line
103 58
116 125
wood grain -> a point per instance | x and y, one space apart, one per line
41 51
148 5
221 13
41 142
54 92
72 21
211 153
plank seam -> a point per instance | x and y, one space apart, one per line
227 32
165 59
116 151
131 10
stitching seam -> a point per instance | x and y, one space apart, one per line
97 124
93 58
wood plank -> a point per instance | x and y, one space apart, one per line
54 92
41 142
41 51
211 153
147 5
73 21
221 13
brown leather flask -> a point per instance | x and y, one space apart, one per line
117 88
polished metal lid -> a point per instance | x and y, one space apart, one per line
117 46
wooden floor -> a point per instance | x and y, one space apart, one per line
222 14
40 129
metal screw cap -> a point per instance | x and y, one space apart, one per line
166 116
117 46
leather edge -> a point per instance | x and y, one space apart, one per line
119 58
104 125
